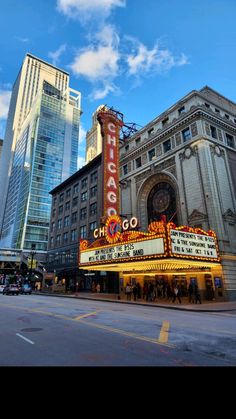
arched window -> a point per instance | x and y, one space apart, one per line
162 201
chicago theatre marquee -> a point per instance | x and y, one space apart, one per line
177 198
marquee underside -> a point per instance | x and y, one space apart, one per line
156 266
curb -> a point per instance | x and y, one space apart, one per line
168 307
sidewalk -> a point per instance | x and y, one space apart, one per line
206 306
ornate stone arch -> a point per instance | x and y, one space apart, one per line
144 191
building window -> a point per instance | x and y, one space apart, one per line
60 209
213 132
74 235
58 240
59 224
67 221
65 237
125 169
165 122
181 110
137 141
127 147
138 162
217 110
74 217
93 191
83 213
93 208
61 197
226 116
93 225
151 154
53 226
229 140
83 232
207 105
167 146
76 188
68 193
67 206
94 177
51 242
84 183
75 201
54 212
84 196
186 134
150 132
54 200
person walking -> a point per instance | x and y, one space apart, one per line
176 294
135 292
197 295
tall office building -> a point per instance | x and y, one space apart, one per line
40 150
94 137
1 144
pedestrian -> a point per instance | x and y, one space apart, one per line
135 291
128 291
197 294
190 293
176 294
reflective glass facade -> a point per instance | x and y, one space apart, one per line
45 154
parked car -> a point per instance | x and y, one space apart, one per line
12 289
26 289
2 288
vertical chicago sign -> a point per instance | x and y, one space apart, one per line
110 127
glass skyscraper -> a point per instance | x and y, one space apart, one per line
41 151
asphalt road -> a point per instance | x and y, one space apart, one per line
40 330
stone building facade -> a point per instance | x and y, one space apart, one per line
183 165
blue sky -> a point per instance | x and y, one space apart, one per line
138 56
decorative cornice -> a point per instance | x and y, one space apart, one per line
195 113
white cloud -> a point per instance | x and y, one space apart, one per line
82 134
101 93
24 40
5 96
156 60
87 9
104 60
80 162
99 61
55 56
96 63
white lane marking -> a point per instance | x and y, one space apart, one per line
23 337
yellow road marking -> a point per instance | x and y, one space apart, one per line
84 315
123 332
48 313
96 325
164 335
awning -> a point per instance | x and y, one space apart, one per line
157 265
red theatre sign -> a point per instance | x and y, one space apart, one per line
110 126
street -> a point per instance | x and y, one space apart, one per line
37 330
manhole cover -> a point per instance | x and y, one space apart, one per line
32 329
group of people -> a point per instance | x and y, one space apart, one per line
152 290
